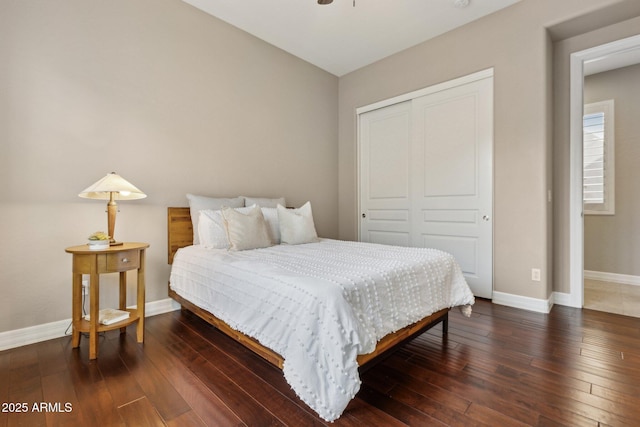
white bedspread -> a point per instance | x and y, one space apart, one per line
320 305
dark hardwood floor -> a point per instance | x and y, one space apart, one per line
501 367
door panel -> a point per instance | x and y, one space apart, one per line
389 157
448 132
465 249
452 169
384 172
394 238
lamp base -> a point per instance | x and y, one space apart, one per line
114 243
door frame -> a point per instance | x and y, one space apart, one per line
576 219
480 75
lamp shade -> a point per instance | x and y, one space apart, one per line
112 184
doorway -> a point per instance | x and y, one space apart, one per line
598 56
612 106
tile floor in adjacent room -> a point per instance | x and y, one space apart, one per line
612 297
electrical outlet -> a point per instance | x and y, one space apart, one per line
535 274
85 286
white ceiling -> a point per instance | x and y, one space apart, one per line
339 37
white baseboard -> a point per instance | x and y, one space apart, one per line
562 298
33 334
525 303
160 307
48 331
623 279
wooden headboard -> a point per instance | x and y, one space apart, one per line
180 230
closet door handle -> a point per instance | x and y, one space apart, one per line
364 215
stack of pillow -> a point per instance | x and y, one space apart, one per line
242 223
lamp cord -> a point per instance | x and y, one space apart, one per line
84 313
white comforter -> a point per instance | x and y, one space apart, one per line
320 305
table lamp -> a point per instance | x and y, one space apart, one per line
112 187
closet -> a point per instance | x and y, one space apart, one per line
426 173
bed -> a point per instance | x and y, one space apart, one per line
345 316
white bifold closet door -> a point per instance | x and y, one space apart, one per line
426 169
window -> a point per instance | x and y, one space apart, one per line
598 159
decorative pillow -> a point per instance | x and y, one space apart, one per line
246 231
198 203
211 228
296 225
264 202
271 217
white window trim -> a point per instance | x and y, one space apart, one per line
608 207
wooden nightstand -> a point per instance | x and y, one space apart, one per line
115 259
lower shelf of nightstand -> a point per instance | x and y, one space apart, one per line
83 325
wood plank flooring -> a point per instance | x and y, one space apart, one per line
502 366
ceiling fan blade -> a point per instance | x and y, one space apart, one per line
325 1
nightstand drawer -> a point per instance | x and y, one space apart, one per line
122 261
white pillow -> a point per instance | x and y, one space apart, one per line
246 231
211 228
271 217
264 202
296 225
198 203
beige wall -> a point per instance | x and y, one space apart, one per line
561 143
515 43
612 242
177 101
172 99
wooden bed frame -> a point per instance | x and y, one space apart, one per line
180 234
